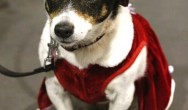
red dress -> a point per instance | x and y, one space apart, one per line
153 90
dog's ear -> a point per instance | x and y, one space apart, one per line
124 2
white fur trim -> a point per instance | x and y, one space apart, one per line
171 69
173 85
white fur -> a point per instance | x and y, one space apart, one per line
120 91
106 52
111 49
45 39
59 97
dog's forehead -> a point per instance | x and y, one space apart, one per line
95 10
63 3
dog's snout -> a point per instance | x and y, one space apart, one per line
64 30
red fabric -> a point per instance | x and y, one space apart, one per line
153 90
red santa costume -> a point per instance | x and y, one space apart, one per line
153 90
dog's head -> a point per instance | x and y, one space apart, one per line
76 24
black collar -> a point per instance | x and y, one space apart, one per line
76 47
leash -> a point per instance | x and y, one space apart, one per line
10 73
48 63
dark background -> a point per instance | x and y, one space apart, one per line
21 24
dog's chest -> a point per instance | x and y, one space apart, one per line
87 84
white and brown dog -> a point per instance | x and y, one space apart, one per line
105 53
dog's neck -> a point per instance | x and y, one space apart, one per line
111 50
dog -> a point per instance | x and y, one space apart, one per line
99 59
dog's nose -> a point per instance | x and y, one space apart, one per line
64 30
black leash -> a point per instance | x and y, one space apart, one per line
10 73
48 63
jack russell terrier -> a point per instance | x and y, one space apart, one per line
104 52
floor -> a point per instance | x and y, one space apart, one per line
21 23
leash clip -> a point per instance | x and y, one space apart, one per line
52 53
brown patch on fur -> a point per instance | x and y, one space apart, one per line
103 12
54 14
91 19
86 17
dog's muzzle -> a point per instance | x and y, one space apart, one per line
81 46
